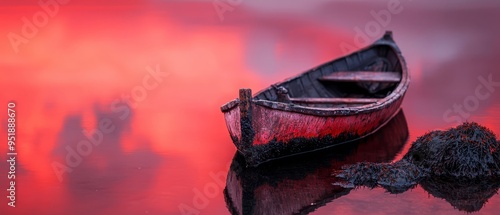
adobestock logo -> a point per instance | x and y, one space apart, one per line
373 28
211 189
223 6
460 112
40 19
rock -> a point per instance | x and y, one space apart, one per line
469 151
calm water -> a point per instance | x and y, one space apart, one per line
117 104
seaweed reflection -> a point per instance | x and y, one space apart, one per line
467 195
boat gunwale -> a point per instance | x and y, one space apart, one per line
334 111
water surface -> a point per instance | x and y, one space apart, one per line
169 148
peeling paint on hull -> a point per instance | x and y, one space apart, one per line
282 133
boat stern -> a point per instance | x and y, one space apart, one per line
238 117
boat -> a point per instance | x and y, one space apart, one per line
337 102
292 186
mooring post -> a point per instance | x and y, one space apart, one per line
247 132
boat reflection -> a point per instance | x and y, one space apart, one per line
303 183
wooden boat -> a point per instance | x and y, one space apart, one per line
292 186
340 101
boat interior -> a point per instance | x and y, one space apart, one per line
361 78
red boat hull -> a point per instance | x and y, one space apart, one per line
277 133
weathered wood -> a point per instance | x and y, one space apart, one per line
309 86
313 76
388 35
245 102
282 94
366 76
271 125
247 130
335 100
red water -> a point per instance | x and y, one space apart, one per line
67 76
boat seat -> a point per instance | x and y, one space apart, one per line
363 76
334 100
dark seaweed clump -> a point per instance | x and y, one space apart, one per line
469 151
